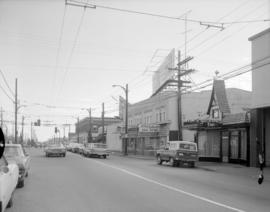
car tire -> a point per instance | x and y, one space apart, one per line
10 202
21 184
172 162
159 161
64 155
191 164
26 175
104 156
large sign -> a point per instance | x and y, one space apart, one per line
148 128
163 73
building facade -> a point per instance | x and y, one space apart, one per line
83 127
260 115
222 136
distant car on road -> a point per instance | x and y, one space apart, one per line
9 174
16 153
55 150
177 153
96 150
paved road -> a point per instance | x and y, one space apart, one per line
78 184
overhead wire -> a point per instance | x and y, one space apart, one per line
83 4
72 51
58 49
4 78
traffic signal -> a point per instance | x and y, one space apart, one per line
37 123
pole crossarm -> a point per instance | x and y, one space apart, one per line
184 61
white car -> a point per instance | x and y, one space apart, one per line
9 174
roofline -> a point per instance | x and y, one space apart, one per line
259 34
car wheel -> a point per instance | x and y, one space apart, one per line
10 202
21 184
64 155
172 162
26 175
159 161
192 164
104 156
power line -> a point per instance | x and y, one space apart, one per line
3 76
72 50
217 33
201 32
210 23
6 93
59 48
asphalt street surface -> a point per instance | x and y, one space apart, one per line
78 184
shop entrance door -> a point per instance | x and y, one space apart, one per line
225 146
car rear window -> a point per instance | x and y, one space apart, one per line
13 151
100 145
191 147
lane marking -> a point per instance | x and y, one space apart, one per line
170 187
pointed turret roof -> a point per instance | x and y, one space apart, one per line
219 94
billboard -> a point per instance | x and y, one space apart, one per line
162 74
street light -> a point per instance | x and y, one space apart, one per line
89 110
125 89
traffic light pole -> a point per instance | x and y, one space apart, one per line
16 110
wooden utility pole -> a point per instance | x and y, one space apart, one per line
16 110
180 84
22 129
90 126
78 129
102 117
1 118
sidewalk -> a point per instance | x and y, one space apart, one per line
225 168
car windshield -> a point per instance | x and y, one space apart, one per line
55 146
191 147
13 151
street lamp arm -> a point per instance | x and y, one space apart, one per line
120 87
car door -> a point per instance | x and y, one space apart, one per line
5 183
26 160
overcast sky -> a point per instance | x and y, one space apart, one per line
67 56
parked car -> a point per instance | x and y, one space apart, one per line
96 150
9 173
178 153
16 153
55 150
81 148
77 148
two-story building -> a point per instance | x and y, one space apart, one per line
260 115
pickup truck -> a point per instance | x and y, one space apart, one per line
9 174
177 153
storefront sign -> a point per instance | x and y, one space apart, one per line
148 128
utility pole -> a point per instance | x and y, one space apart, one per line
102 117
78 133
31 132
1 118
22 129
125 140
126 127
180 84
90 125
16 109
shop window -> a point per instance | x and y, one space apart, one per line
215 113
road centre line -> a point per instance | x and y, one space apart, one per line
170 187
